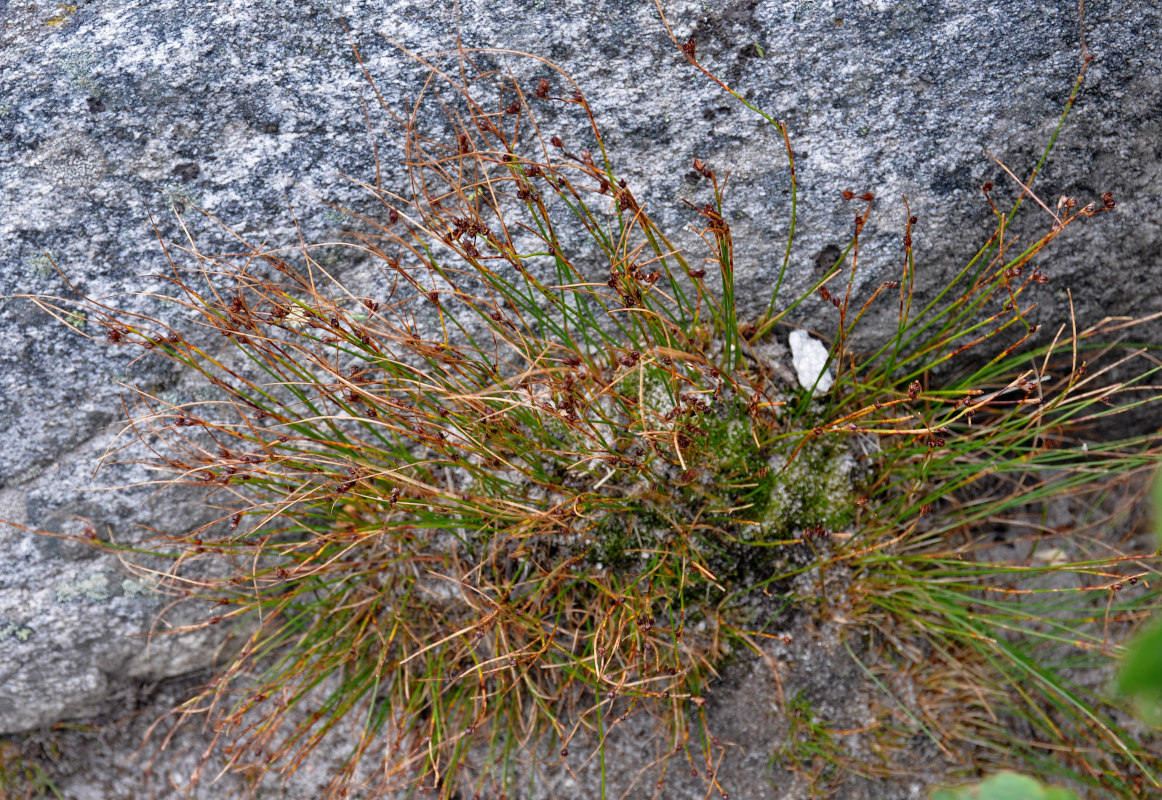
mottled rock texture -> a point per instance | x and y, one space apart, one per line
111 111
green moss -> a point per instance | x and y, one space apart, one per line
814 489
619 539
729 441
748 497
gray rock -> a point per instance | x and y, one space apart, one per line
73 621
118 110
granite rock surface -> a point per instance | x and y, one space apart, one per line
116 115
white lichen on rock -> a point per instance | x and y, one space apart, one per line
94 588
136 589
21 633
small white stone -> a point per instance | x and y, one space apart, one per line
810 360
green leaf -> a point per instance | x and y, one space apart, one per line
1005 786
1158 506
1142 671
1141 675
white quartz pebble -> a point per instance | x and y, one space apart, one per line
809 357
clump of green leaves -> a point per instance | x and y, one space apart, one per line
1005 786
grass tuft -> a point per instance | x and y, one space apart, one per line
537 476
